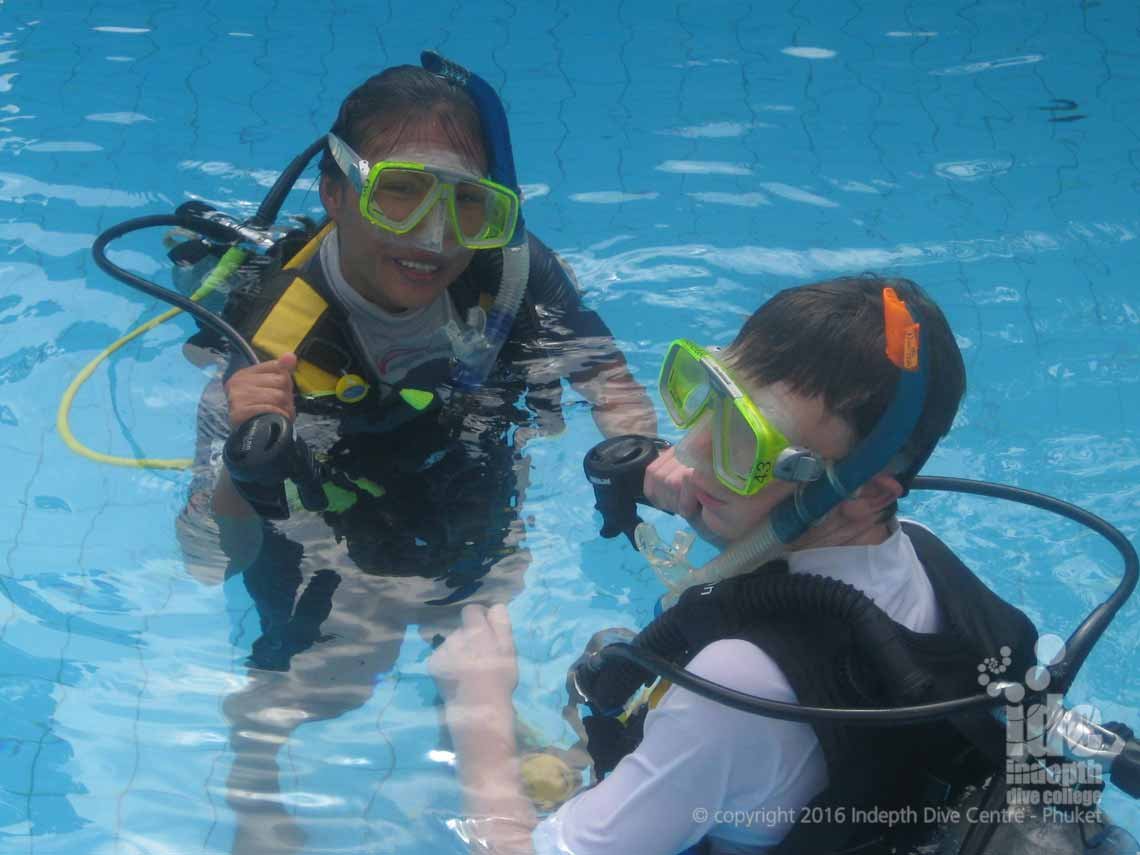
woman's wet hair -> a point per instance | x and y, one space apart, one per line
396 105
828 341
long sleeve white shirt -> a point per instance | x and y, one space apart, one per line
705 769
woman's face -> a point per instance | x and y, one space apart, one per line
400 272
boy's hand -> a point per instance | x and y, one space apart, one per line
667 485
263 388
477 663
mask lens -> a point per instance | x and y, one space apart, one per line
398 194
474 207
735 448
484 216
685 388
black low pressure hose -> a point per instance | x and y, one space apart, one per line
1085 636
212 230
643 660
215 230
262 452
704 613
632 664
270 206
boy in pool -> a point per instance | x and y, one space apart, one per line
811 368
360 342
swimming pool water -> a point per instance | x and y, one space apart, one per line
688 160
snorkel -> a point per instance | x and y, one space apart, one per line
812 501
478 343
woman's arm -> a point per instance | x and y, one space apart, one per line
590 357
667 794
219 531
619 403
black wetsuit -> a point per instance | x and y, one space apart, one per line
451 478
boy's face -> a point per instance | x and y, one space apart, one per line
724 516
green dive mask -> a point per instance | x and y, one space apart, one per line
396 196
748 450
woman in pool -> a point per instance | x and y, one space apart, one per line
360 340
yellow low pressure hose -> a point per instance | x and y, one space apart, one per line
229 262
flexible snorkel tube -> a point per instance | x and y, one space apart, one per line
477 346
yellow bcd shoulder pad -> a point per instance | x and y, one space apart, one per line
287 324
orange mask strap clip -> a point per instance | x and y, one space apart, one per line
902 332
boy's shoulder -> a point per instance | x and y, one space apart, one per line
743 666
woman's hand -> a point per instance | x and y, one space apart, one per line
263 388
477 663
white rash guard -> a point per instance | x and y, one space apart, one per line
749 775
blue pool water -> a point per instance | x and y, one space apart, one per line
689 162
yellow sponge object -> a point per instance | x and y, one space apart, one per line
546 779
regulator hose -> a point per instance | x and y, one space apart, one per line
270 206
229 262
618 669
207 228
733 604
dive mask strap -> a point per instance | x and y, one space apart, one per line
885 441
354 167
797 465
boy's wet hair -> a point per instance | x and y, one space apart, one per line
828 341
397 104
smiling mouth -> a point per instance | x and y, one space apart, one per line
418 269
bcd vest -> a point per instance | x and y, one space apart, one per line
294 309
871 769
